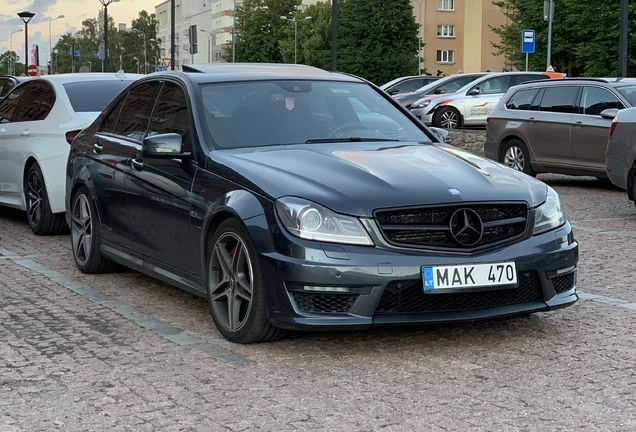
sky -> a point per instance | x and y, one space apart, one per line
74 11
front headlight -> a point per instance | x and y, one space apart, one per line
418 105
312 221
548 215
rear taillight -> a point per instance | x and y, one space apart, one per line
612 127
487 119
70 135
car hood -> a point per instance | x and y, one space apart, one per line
358 178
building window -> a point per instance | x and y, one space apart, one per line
445 56
445 4
445 31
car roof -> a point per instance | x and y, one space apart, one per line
405 78
608 82
226 72
95 76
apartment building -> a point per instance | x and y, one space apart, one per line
456 35
214 20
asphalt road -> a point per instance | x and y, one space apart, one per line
125 352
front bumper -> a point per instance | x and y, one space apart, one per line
424 114
336 287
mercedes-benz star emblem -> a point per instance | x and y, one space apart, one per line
466 227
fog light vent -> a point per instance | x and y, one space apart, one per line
323 303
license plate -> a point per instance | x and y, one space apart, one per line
466 276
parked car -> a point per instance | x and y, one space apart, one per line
38 120
470 105
620 156
449 84
556 126
270 190
7 83
407 84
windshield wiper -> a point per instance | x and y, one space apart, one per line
348 139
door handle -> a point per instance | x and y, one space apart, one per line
531 120
98 147
579 124
137 163
25 133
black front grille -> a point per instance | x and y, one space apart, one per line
401 297
429 227
324 302
563 283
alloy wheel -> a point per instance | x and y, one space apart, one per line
449 119
514 158
81 229
34 198
231 281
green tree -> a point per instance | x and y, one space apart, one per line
259 29
314 37
126 48
585 36
377 39
7 61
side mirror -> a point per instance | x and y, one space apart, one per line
609 113
439 91
163 146
393 91
474 91
442 134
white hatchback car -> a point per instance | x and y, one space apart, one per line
38 121
470 105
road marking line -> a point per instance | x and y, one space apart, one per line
148 321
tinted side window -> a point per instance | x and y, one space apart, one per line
453 85
522 100
596 99
135 114
559 99
9 104
6 84
171 113
494 85
38 102
110 122
409 85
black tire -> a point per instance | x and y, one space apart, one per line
85 235
631 184
39 215
515 155
447 118
234 284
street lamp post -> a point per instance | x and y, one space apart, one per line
234 33
144 35
51 40
419 37
209 44
105 3
295 21
12 72
26 17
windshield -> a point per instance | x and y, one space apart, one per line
256 113
390 83
448 85
629 92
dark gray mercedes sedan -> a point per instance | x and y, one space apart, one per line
298 199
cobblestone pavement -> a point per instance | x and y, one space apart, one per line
125 352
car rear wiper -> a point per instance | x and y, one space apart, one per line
348 139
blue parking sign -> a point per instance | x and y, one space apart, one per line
96 54
527 41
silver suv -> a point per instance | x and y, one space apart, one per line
557 126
